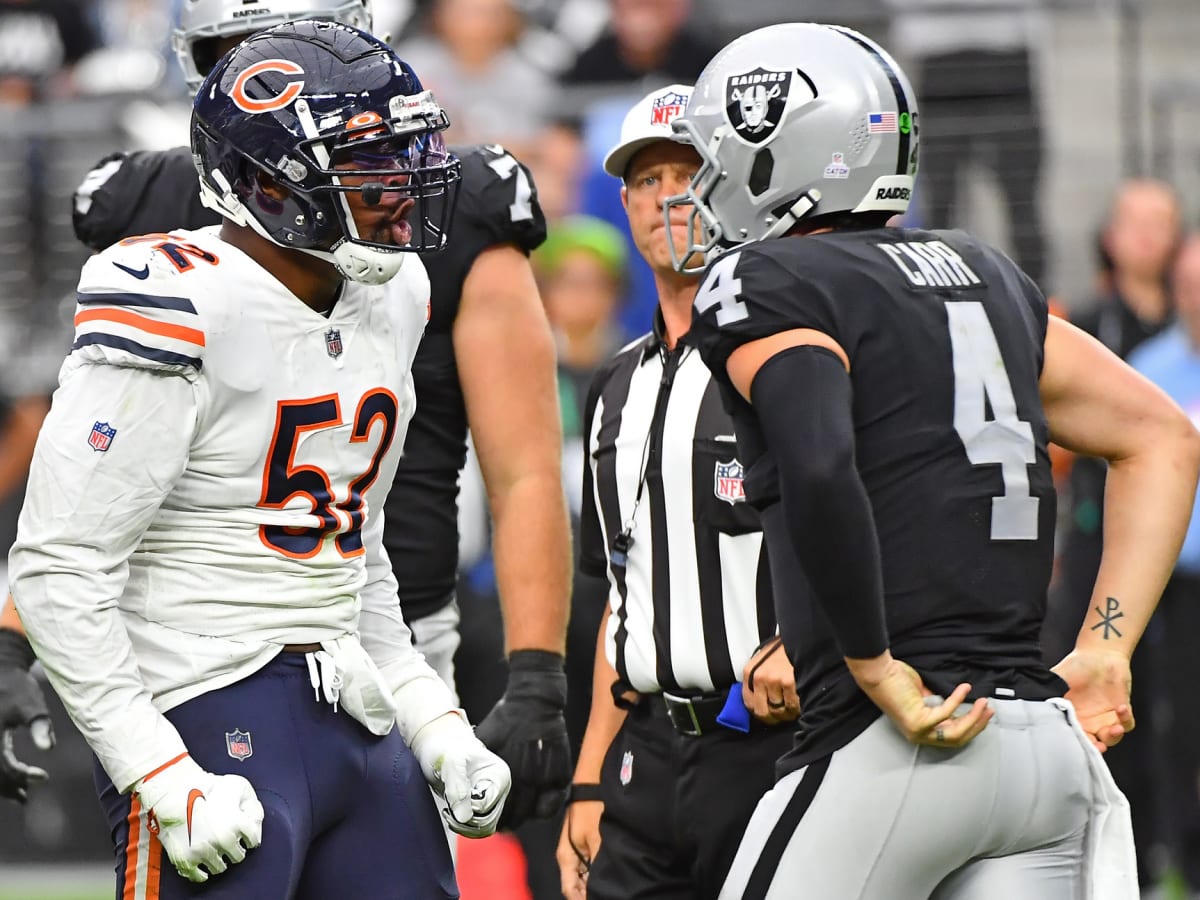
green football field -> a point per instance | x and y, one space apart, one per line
56 882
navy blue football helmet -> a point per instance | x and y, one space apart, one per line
325 110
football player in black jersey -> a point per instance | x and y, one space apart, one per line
487 361
893 392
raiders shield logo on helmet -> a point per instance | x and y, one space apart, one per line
754 102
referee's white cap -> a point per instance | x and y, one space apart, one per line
649 121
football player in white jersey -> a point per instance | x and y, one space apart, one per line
199 562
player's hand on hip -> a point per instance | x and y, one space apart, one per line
922 717
22 705
578 845
1098 685
769 684
205 822
472 780
527 730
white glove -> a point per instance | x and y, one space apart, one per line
201 819
467 775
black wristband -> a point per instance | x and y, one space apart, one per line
535 661
15 651
583 793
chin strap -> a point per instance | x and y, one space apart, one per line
804 204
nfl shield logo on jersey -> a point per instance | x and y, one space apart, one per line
728 482
102 436
627 767
754 102
238 744
333 342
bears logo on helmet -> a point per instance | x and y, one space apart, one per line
244 101
324 111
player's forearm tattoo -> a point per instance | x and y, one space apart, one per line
1108 617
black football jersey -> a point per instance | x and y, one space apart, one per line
945 340
157 191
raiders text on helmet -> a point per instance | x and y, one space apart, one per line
202 23
795 121
307 104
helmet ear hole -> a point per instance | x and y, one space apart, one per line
270 186
205 54
760 172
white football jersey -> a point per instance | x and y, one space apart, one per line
213 451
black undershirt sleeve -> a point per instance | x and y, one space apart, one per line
803 401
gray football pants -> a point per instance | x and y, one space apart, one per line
882 819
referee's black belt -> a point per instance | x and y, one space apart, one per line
695 715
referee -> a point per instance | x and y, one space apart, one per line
663 790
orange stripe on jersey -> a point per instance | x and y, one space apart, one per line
124 317
154 852
165 765
132 846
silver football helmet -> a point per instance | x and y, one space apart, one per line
794 121
204 22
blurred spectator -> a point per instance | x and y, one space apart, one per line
557 161
1136 245
40 40
468 58
1172 361
581 272
974 70
647 42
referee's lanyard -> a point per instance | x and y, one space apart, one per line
671 361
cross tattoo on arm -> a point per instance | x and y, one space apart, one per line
1108 617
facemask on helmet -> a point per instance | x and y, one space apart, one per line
791 122
203 23
333 116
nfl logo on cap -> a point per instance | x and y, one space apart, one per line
667 107
101 437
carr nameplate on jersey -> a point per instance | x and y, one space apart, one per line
930 264
755 101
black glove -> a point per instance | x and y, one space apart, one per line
526 729
21 704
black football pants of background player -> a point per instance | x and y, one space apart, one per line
675 807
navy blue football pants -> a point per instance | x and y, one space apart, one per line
348 813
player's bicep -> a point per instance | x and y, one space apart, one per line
1095 403
506 363
744 362
113 445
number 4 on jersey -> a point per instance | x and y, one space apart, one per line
721 287
1004 440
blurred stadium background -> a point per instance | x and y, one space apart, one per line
1058 102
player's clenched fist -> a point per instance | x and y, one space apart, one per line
526 728
472 780
205 822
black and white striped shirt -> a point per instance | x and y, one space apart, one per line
693 599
